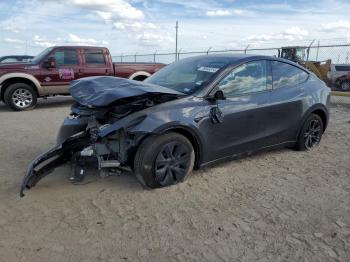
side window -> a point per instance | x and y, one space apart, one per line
303 76
65 57
94 57
247 78
286 75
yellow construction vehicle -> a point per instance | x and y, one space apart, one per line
300 55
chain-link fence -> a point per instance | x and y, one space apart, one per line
338 52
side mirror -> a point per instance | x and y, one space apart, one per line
219 95
50 63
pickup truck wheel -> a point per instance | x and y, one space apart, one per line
345 86
164 160
20 97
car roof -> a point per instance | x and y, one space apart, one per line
234 59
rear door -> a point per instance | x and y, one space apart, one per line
68 67
287 102
97 62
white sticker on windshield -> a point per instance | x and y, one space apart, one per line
208 69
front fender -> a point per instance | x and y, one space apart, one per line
26 76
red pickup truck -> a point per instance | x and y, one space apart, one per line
50 72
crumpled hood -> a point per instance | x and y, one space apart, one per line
101 91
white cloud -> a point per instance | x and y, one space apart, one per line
110 9
218 12
227 12
12 25
292 33
74 39
154 39
41 42
134 26
13 41
71 39
336 26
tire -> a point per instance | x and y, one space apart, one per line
345 86
20 97
311 133
164 160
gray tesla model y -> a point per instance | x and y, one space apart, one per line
191 113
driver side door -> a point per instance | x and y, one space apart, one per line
55 80
243 112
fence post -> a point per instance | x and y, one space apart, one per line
121 58
178 54
318 47
308 50
245 50
135 57
209 50
154 56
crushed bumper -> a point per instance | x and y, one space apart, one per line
45 163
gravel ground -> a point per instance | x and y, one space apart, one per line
275 206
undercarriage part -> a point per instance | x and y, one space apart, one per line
78 173
109 164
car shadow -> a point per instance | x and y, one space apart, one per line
48 103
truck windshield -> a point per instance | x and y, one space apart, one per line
188 75
41 55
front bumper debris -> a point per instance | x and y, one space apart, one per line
45 163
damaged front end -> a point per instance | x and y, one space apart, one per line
101 135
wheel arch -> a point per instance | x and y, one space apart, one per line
13 78
320 110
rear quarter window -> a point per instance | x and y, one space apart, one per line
286 75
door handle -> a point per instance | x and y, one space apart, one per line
216 115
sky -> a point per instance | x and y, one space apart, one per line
144 26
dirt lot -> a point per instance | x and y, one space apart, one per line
276 206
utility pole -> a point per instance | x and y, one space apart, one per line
26 53
177 29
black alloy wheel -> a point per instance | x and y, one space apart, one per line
313 134
172 163
164 160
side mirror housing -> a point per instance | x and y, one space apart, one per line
50 62
219 95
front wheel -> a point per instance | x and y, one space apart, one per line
311 133
20 97
164 160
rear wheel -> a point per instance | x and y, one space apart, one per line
20 97
164 160
311 133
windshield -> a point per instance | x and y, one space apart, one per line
41 55
188 75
